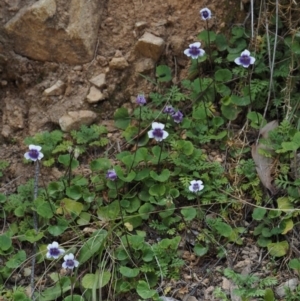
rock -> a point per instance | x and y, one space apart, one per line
57 89
118 63
94 95
291 284
144 65
140 25
150 46
73 120
99 80
56 30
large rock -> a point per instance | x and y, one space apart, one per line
73 120
150 46
56 30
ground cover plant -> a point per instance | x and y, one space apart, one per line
114 228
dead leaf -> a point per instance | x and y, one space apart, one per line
264 164
264 132
263 167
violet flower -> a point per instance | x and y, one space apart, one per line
34 153
194 51
158 132
70 262
54 251
169 110
177 117
141 100
245 59
111 175
196 185
205 14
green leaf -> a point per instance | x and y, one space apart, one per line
163 177
230 111
144 290
221 42
128 272
120 174
145 210
269 295
278 249
258 213
223 229
97 280
240 100
223 75
74 297
16 260
122 119
70 206
256 119
60 227
109 212
101 164
5 242
84 219
32 236
67 161
92 246
207 36
188 213
157 190
74 192
2 198
200 250
163 73
54 292
295 264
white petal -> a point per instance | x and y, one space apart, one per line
150 134
191 188
71 256
196 44
165 135
41 155
36 147
64 265
61 251
252 60
76 263
237 61
26 156
48 255
187 52
202 52
246 52
157 125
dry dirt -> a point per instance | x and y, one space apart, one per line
24 110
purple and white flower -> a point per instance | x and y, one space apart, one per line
177 117
196 185
169 110
194 51
34 153
54 251
205 14
158 132
111 175
141 100
245 59
70 262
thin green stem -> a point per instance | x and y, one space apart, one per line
35 226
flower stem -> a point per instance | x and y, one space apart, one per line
158 165
35 226
250 96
